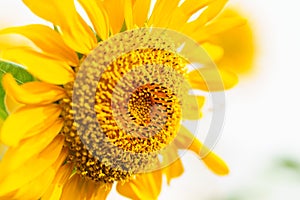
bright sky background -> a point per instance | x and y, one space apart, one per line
262 117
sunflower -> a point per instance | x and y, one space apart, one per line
55 150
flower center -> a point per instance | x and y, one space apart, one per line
84 161
142 101
145 116
118 121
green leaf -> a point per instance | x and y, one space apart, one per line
21 76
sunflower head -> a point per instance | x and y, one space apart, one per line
125 106
104 107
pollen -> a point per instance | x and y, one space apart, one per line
123 109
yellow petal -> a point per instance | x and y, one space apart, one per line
61 158
71 189
11 105
140 12
211 11
47 40
189 7
216 164
171 162
144 186
162 12
128 14
78 188
215 52
219 26
32 168
191 107
32 119
183 13
174 170
16 156
32 92
184 139
115 11
238 45
170 155
40 65
210 159
7 196
55 189
212 79
100 193
177 20
14 40
75 32
95 191
3 149
196 28
37 187
98 17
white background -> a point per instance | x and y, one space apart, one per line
262 117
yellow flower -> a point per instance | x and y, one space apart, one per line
237 46
47 157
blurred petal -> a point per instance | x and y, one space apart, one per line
189 7
184 139
215 52
32 168
161 16
32 92
219 26
47 40
140 12
210 12
210 79
98 17
96 191
177 20
32 119
144 186
238 45
11 105
210 159
7 196
183 13
3 148
172 164
128 14
72 188
16 156
192 106
215 164
78 188
75 32
37 187
115 11
40 65
55 189
14 40
174 170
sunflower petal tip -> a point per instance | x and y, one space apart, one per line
230 79
216 164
